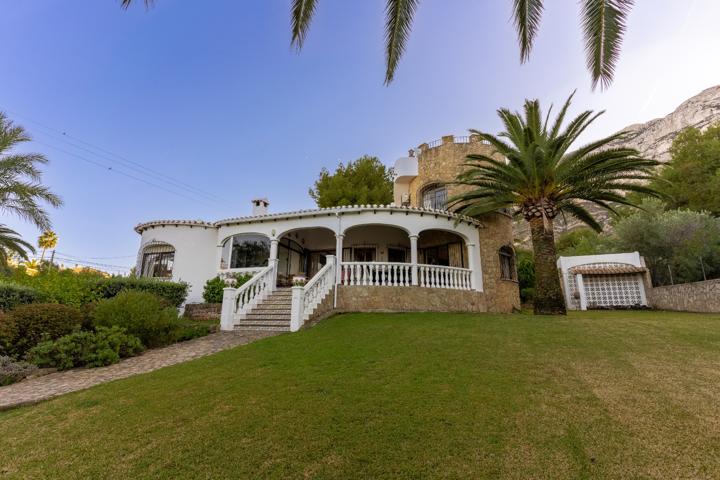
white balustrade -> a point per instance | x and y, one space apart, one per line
305 299
390 274
237 302
437 276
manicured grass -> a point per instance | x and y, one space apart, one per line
593 395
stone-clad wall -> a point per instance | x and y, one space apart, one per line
443 163
687 297
409 299
502 295
203 311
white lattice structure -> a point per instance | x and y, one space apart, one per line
603 281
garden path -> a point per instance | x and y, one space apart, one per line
45 387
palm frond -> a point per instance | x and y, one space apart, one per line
399 16
12 243
526 17
302 15
603 24
128 3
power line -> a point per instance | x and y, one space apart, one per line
95 258
120 172
125 162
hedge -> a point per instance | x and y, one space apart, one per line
12 295
173 292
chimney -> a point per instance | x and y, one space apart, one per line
260 206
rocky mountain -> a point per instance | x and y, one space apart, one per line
653 139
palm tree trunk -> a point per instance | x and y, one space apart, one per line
42 255
549 298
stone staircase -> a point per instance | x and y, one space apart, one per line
272 314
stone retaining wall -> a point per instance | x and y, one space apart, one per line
687 297
203 311
410 299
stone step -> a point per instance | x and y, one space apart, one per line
271 310
267 316
239 328
263 323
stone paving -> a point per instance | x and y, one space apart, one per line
42 388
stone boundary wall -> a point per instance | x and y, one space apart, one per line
203 311
410 299
701 297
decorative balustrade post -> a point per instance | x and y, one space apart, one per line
338 258
227 312
414 260
297 308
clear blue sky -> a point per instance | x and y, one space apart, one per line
211 94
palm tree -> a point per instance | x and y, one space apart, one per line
539 178
11 244
21 192
47 240
603 24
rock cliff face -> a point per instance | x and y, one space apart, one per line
653 140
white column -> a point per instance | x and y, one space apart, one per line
218 257
643 295
227 314
474 266
414 259
338 257
273 249
296 310
580 285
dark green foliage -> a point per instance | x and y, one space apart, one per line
12 371
526 275
35 322
189 329
172 292
141 314
12 295
584 241
692 178
213 291
366 181
104 346
677 244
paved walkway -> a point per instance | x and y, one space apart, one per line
54 384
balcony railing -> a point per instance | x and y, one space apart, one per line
393 274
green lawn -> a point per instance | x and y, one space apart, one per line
593 395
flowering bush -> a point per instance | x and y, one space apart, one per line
12 371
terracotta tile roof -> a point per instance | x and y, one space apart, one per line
306 213
606 269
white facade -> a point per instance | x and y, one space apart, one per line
603 281
390 242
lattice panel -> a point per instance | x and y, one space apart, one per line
612 290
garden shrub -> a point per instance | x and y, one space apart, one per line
12 295
8 334
172 292
213 291
66 287
187 330
40 321
12 371
104 346
141 314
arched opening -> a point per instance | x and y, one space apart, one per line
507 263
245 251
440 247
434 196
157 260
376 243
302 252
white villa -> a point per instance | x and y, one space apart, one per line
412 255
